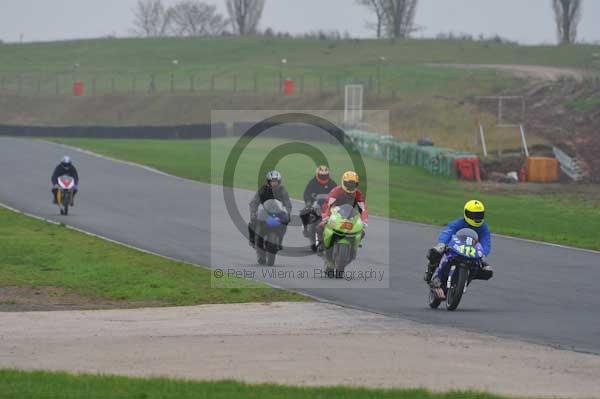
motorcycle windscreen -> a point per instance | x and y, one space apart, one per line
347 211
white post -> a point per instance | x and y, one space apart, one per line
485 153
523 141
346 104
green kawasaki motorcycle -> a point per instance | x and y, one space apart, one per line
341 239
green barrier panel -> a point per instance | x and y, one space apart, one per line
437 160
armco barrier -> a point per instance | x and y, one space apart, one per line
199 131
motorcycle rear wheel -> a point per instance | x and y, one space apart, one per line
434 301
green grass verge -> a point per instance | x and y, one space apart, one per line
414 194
256 62
19 384
34 253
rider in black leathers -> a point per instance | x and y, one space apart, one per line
272 189
64 168
320 184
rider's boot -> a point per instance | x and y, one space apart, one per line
429 272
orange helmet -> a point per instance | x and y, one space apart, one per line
322 174
350 182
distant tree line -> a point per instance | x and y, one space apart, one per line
196 18
392 19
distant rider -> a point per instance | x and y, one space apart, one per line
347 193
272 189
65 168
321 184
474 219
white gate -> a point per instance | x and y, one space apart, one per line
353 105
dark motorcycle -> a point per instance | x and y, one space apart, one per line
311 217
465 256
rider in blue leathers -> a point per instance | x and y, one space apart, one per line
473 219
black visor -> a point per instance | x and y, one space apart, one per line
476 216
350 185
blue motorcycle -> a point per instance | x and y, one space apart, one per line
464 255
272 219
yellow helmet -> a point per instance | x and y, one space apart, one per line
474 213
350 182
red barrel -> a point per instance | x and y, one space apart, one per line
78 88
468 168
289 86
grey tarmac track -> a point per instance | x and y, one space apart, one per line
541 293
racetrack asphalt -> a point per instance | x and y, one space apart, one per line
541 293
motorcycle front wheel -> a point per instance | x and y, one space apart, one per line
457 287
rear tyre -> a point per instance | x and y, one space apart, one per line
457 287
434 302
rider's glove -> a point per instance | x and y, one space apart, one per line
440 248
365 225
253 217
55 186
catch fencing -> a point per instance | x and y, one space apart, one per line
122 83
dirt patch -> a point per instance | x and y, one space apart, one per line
290 343
538 72
26 299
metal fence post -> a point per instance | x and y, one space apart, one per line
20 87
152 86
302 84
320 84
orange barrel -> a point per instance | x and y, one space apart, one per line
542 169
78 88
288 87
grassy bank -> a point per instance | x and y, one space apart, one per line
18 384
39 254
413 193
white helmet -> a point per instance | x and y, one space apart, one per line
274 175
66 161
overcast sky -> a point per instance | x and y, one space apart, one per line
532 24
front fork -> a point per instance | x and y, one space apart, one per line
453 269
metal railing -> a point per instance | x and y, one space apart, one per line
570 166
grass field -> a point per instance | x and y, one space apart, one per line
19 384
249 63
413 193
39 254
